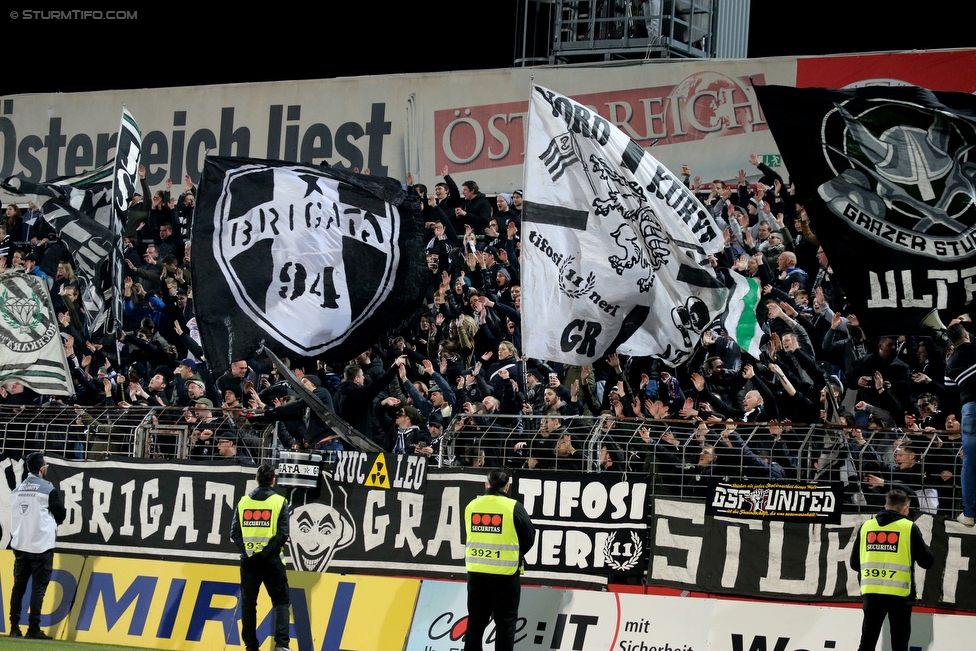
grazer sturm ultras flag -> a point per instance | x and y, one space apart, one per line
887 178
614 246
308 260
68 206
31 351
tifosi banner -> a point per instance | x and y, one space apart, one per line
365 515
588 526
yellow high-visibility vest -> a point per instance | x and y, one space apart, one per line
492 542
886 558
259 521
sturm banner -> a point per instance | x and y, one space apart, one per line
795 561
31 352
886 175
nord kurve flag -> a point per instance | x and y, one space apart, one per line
887 177
31 351
69 206
615 247
310 260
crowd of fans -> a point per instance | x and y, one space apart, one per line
454 383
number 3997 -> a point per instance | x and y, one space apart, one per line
875 573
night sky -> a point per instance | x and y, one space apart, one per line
167 46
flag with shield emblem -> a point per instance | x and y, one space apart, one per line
305 259
31 351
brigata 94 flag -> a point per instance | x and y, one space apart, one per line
308 260
614 249
886 176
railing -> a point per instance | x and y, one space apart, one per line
679 457
151 433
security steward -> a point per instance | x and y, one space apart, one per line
260 532
884 553
36 511
499 534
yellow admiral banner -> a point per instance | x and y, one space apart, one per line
166 605
57 600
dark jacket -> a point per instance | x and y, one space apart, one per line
315 430
354 403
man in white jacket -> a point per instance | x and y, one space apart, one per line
36 511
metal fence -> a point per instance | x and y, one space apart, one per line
681 457
94 433
678 456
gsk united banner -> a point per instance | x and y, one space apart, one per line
786 501
886 176
305 259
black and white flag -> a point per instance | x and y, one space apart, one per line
128 152
615 247
69 206
560 155
887 177
309 260
31 351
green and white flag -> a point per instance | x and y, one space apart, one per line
31 351
740 319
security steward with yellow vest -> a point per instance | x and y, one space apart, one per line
260 532
499 534
884 553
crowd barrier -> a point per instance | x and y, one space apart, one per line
815 452
170 605
392 515
95 433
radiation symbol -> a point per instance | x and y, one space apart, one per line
379 476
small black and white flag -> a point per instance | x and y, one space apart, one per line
560 154
309 260
68 206
128 153
31 351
